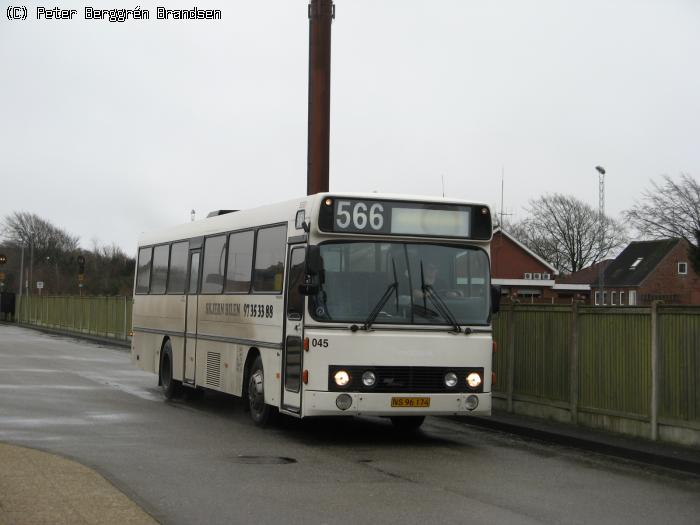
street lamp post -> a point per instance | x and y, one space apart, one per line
21 271
601 234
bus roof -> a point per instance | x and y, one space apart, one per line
275 213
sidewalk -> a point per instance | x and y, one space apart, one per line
41 488
675 457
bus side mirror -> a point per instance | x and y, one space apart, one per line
308 289
314 263
313 271
495 298
309 286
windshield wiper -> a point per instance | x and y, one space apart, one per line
440 305
393 287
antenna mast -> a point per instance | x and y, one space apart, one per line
601 239
501 222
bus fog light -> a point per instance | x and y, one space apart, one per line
472 402
343 401
474 380
368 378
450 379
341 377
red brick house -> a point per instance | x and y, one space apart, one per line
577 285
647 271
521 274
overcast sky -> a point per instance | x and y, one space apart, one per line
111 129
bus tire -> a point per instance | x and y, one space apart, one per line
260 413
171 387
407 422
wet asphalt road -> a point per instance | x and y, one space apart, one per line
184 462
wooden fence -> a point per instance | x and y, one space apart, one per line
629 369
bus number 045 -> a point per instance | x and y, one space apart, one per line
359 215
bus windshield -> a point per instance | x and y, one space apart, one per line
404 279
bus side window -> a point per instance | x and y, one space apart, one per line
177 273
213 264
240 262
159 275
194 274
143 275
295 300
269 259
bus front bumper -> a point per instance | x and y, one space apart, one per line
318 403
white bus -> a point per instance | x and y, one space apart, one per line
329 304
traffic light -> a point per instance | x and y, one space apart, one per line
3 258
81 264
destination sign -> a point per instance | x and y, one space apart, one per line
373 217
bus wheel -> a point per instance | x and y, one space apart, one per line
260 413
171 387
407 422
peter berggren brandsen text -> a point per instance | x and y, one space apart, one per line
124 15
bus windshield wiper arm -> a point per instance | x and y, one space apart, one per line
442 308
393 287
380 304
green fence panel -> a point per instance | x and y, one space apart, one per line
500 335
541 353
615 360
679 363
101 316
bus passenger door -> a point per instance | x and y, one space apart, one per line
191 318
294 332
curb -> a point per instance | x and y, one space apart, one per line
42 484
652 453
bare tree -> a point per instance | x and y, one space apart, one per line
49 245
568 233
669 209
23 228
109 270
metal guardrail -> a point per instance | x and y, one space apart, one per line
108 317
604 366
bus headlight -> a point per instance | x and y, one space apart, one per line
474 380
450 379
341 377
368 378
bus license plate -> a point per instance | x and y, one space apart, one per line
410 402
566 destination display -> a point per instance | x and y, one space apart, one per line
367 216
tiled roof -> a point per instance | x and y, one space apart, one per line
637 261
586 275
